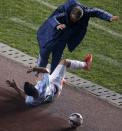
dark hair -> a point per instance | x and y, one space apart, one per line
30 90
77 11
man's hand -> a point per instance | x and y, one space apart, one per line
114 18
61 27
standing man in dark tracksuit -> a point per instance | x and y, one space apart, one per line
66 26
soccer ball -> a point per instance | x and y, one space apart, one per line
75 120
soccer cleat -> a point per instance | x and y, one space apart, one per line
88 59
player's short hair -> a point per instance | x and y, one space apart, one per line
30 90
77 11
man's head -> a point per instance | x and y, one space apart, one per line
30 90
76 14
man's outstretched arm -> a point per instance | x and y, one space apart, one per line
102 14
18 89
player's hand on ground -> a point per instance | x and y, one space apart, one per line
114 18
14 86
61 27
11 83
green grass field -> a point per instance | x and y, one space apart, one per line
21 19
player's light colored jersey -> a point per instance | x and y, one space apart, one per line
46 91
48 87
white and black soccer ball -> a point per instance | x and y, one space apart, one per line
75 120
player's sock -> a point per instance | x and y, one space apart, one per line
77 64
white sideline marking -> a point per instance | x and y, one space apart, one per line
29 25
91 23
109 60
46 4
105 29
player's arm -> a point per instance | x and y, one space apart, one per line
38 70
58 13
19 90
61 12
54 19
99 13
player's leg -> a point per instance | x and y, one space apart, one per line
57 76
57 53
74 64
59 73
43 57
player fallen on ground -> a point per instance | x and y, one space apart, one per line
66 26
50 86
